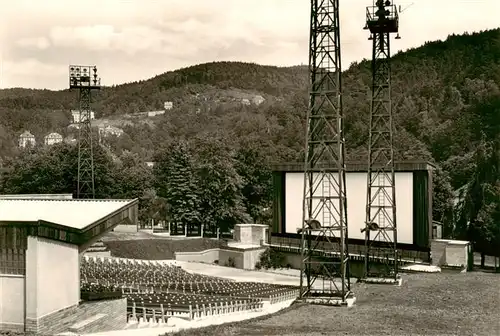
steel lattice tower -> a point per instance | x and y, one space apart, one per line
85 79
381 20
324 221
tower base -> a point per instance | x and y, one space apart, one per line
324 300
383 280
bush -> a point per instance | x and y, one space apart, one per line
230 262
271 259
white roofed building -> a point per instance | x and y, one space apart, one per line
53 138
107 130
27 139
41 245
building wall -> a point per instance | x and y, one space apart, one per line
243 258
126 228
456 254
11 302
53 273
206 256
356 183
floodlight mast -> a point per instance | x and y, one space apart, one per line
382 20
85 79
324 220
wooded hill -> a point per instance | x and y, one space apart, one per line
446 100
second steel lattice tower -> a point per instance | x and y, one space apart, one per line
382 20
324 222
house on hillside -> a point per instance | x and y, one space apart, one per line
168 105
245 101
53 138
150 164
257 100
27 139
155 113
108 130
76 116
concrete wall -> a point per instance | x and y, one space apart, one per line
207 256
456 254
446 252
356 192
53 278
250 233
438 252
126 228
11 302
243 258
98 254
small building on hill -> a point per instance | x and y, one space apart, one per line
108 130
155 113
41 242
257 100
26 139
76 116
53 138
168 105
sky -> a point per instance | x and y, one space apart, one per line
133 40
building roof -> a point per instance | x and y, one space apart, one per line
72 213
406 166
53 134
37 196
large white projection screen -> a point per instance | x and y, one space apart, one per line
356 204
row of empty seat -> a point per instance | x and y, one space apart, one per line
165 288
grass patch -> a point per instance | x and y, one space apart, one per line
159 249
426 304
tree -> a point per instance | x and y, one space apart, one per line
133 179
221 201
52 170
442 201
176 182
479 210
255 172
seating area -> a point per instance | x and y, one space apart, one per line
157 290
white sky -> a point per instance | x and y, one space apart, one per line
131 40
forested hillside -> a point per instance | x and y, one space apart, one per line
446 100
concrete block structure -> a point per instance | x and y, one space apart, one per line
41 243
447 252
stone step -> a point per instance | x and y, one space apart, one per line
87 324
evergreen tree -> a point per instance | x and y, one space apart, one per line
176 182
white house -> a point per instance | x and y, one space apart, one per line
53 138
245 101
155 113
76 116
40 269
110 130
168 105
26 138
257 100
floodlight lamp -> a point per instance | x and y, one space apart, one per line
387 3
84 69
95 69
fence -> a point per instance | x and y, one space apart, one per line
151 313
356 252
